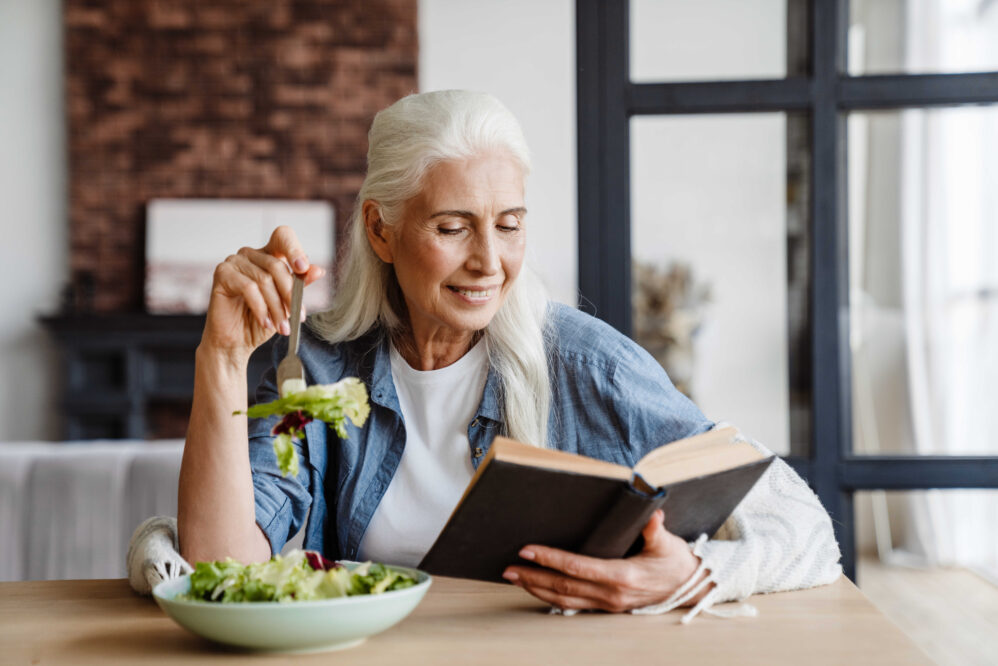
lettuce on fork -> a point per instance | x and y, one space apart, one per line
330 403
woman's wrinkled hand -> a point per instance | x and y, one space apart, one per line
571 581
251 294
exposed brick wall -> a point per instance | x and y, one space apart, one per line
218 98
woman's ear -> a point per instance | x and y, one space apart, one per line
377 231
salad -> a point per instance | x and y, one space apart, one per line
300 405
298 576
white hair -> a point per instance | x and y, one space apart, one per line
405 141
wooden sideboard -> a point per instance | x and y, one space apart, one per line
130 376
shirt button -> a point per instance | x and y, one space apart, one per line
478 452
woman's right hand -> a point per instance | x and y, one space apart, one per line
251 295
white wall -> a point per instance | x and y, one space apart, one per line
523 52
33 219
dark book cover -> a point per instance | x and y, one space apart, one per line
512 505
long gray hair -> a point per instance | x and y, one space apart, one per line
405 140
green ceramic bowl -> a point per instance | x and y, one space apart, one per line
297 626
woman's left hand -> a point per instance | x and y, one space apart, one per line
571 581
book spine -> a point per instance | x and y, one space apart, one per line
619 530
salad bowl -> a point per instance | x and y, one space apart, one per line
292 626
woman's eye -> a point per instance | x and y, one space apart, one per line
508 223
450 231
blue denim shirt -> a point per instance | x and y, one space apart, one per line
610 400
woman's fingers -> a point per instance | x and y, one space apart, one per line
256 285
269 278
284 244
659 542
562 601
574 565
271 290
560 584
313 274
569 578
282 278
616 585
235 282
275 268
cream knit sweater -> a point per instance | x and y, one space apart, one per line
779 538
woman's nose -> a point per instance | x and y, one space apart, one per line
485 255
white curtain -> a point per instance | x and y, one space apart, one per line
949 260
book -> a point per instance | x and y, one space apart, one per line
523 495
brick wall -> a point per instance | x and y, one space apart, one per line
217 98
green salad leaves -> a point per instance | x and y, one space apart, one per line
331 403
298 576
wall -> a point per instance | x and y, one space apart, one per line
523 52
33 221
196 99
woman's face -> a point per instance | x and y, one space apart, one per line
460 244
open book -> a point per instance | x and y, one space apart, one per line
523 494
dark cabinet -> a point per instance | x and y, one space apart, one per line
131 375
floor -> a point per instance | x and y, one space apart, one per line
952 614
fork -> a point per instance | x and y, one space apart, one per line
290 367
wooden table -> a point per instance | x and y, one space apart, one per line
102 622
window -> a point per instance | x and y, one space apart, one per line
837 75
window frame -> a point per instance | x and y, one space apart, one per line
606 101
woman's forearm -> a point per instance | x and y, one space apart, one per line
216 510
779 538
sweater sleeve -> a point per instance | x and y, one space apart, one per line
779 538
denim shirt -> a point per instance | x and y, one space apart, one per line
609 400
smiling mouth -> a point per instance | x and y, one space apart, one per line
472 293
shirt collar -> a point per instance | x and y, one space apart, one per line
383 388
491 405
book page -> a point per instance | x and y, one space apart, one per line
714 460
512 451
713 451
684 448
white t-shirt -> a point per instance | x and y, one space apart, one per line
437 406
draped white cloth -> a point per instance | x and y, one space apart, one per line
949 246
67 510
925 360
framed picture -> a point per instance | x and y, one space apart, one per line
187 238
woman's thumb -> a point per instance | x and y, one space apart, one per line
656 537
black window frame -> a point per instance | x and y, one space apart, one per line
606 101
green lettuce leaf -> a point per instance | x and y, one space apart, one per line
334 404
287 457
289 578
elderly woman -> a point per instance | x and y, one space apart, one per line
439 316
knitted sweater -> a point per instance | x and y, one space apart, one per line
779 538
